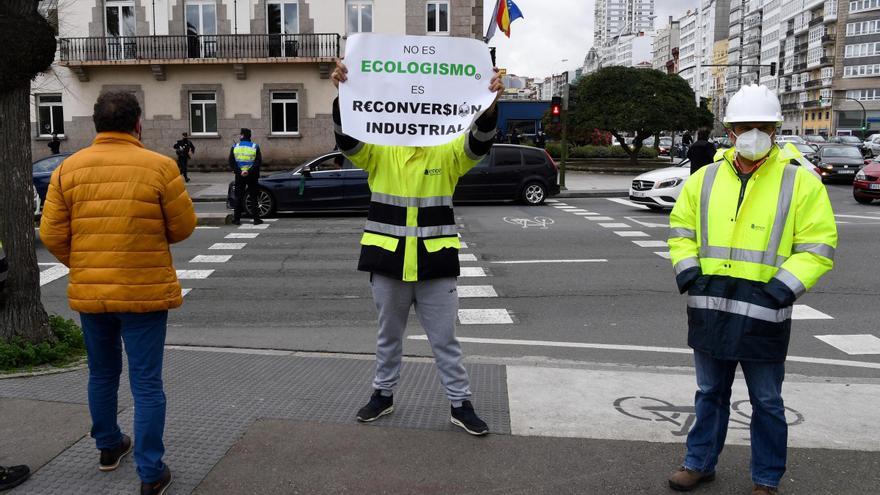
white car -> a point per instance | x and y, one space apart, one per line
788 138
659 189
872 144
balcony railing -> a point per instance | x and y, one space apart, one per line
813 84
218 48
828 38
790 106
826 60
816 20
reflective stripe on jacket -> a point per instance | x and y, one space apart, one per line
745 252
410 232
245 154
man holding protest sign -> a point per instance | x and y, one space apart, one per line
416 121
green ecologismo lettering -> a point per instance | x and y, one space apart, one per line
426 68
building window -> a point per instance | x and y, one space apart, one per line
50 114
203 113
864 94
863 5
861 70
863 28
862 50
438 17
282 18
827 115
360 16
285 112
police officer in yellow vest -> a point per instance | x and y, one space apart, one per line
749 235
245 160
410 247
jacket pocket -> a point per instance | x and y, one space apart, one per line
438 243
378 240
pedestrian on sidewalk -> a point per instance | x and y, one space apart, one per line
686 141
514 136
702 152
245 160
540 140
185 149
749 235
419 268
55 144
115 237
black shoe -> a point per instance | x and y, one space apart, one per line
12 476
110 458
257 221
466 418
158 487
378 406
235 221
186 179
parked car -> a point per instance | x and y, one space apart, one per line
332 182
850 141
41 173
838 161
872 143
808 150
789 138
866 186
816 139
659 189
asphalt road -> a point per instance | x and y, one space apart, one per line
583 288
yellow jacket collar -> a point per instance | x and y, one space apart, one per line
116 138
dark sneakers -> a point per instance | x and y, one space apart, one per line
257 221
764 490
110 458
235 221
685 480
466 418
158 487
12 476
378 406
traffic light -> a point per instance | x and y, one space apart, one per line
556 109
772 68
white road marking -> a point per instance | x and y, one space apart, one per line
663 254
249 226
484 317
650 244
628 203
467 291
472 271
242 235
649 224
206 227
853 344
56 271
228 245
467 257
463 244
655 407
631 233
857 216
528 262
614 225
586 213
184 292
551 200
642 348
270 219
211 258
193 274
579 210
599 219
804 312
565 207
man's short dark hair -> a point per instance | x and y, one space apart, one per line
116 111
703 134
246 132
185 134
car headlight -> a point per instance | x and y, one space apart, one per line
827 166
861 175
668 183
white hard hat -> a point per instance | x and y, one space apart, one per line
753 103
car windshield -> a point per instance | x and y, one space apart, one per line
47 165
665 141
850 139
805 148
841 151
815 139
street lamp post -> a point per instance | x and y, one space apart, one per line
563 118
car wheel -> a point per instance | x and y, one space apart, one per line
265 204
862 199
534 193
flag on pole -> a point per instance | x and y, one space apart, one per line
505 13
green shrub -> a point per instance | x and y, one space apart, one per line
591 151
68 347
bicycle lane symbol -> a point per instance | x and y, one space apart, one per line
540 222
681 418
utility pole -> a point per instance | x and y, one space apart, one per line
564 119
699 50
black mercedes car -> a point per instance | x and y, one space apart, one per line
838 162
332 182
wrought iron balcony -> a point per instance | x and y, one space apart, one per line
826 60
206 49
813 84
828 38
790 106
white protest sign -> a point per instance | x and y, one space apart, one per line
413 90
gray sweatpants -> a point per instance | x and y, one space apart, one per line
436 303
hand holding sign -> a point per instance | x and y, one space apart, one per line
413 90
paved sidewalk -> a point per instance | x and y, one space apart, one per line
279 422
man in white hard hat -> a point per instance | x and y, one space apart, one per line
749 234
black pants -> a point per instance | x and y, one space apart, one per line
182 162
246 184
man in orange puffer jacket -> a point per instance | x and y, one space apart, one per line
111 212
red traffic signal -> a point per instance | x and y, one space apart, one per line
556 108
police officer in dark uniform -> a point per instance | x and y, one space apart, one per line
185 149
245 160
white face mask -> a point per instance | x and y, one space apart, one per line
753 145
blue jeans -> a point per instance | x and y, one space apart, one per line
769 429
144 337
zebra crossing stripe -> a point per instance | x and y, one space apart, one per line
469 291
853 344
484 317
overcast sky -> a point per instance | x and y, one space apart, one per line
553 30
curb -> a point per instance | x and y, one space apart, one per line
213 219
74 366
209 199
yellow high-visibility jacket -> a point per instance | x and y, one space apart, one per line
745 250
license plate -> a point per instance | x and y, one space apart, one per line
637 194
846 171
874 186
